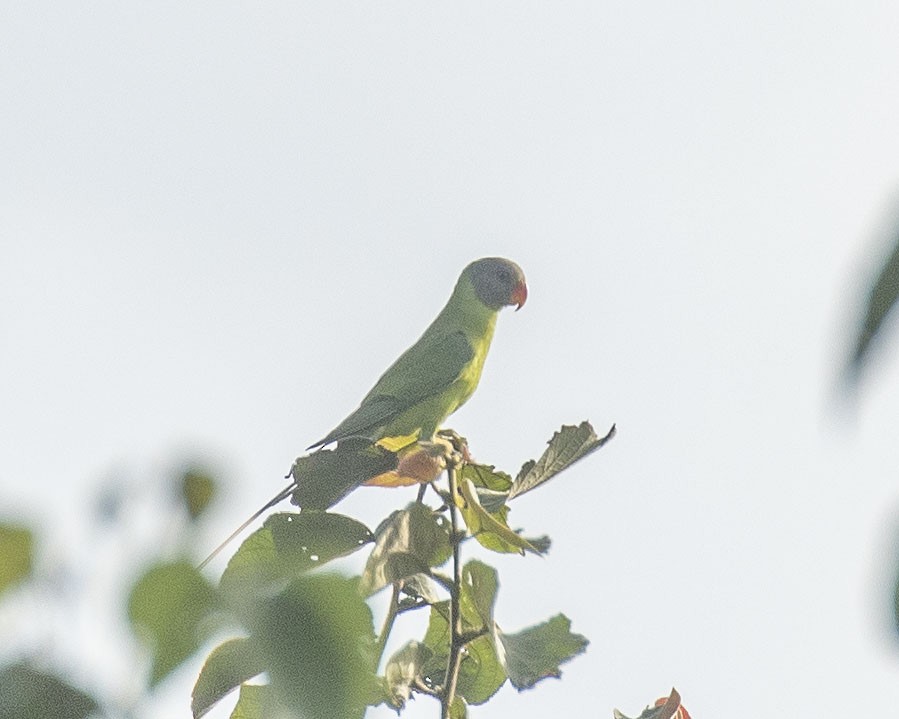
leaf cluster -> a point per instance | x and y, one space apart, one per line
297 641
312 634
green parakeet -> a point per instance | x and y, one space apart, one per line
436 375
429 381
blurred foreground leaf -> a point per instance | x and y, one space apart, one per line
16 549
566 447
536 653
227 667
167 608
29 694
255 702
880 301
316 641
198 488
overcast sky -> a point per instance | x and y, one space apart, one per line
220 223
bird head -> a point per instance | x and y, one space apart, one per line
498 282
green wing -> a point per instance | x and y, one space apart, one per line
423 372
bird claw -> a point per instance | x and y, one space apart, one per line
459 445
447 447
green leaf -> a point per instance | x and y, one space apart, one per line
481 673
536 653
167 608
317 642
437 637
478 595
566 447
16 550
288 544
476 600
401 671
256 701
26 693
421 587
490 529
409 542
325 477
197 490
458 709
492 486
227 667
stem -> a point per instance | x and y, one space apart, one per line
455 655
388 623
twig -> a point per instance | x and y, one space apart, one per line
388 623
455 654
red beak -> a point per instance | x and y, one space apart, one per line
519 296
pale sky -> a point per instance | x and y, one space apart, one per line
220 223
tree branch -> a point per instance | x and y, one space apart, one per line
388 623
455 655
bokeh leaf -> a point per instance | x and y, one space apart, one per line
16 554
167 608
227 667
566 447
26 693
256 701
317 642
198 488
409 542
880 301
537 652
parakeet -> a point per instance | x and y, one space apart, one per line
429 381
436 375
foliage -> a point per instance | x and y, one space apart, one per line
27 692
307 644
313 635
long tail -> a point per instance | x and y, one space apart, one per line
279 497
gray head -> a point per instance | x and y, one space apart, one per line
498 282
